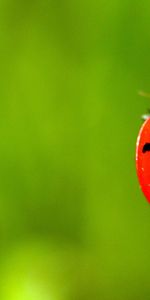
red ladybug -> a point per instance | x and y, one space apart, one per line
143 157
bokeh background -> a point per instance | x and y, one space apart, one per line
74 224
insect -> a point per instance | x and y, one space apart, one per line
143 155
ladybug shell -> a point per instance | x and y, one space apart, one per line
143 158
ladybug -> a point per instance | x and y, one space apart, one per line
143 157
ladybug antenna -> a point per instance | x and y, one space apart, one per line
143 94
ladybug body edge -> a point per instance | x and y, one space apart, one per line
143 157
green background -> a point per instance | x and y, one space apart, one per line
74 224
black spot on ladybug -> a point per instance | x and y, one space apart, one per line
146 147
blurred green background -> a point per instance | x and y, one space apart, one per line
74 224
